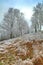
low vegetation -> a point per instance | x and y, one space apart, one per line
21 52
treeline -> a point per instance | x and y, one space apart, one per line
14 23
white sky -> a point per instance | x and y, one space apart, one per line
27 12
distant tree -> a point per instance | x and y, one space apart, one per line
34 23
37 17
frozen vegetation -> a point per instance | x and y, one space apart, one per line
25 50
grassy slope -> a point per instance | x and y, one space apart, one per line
25 50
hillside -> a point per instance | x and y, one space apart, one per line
25 50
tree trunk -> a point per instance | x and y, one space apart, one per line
40 26
11 35
35 28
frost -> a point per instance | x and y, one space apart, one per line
18 51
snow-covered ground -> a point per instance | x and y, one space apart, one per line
31 36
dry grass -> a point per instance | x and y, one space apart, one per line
21 52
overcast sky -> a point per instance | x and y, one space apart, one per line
26 6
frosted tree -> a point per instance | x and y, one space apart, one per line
14 23
8 21
37 17
22 25
34 22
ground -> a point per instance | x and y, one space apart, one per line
23 50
